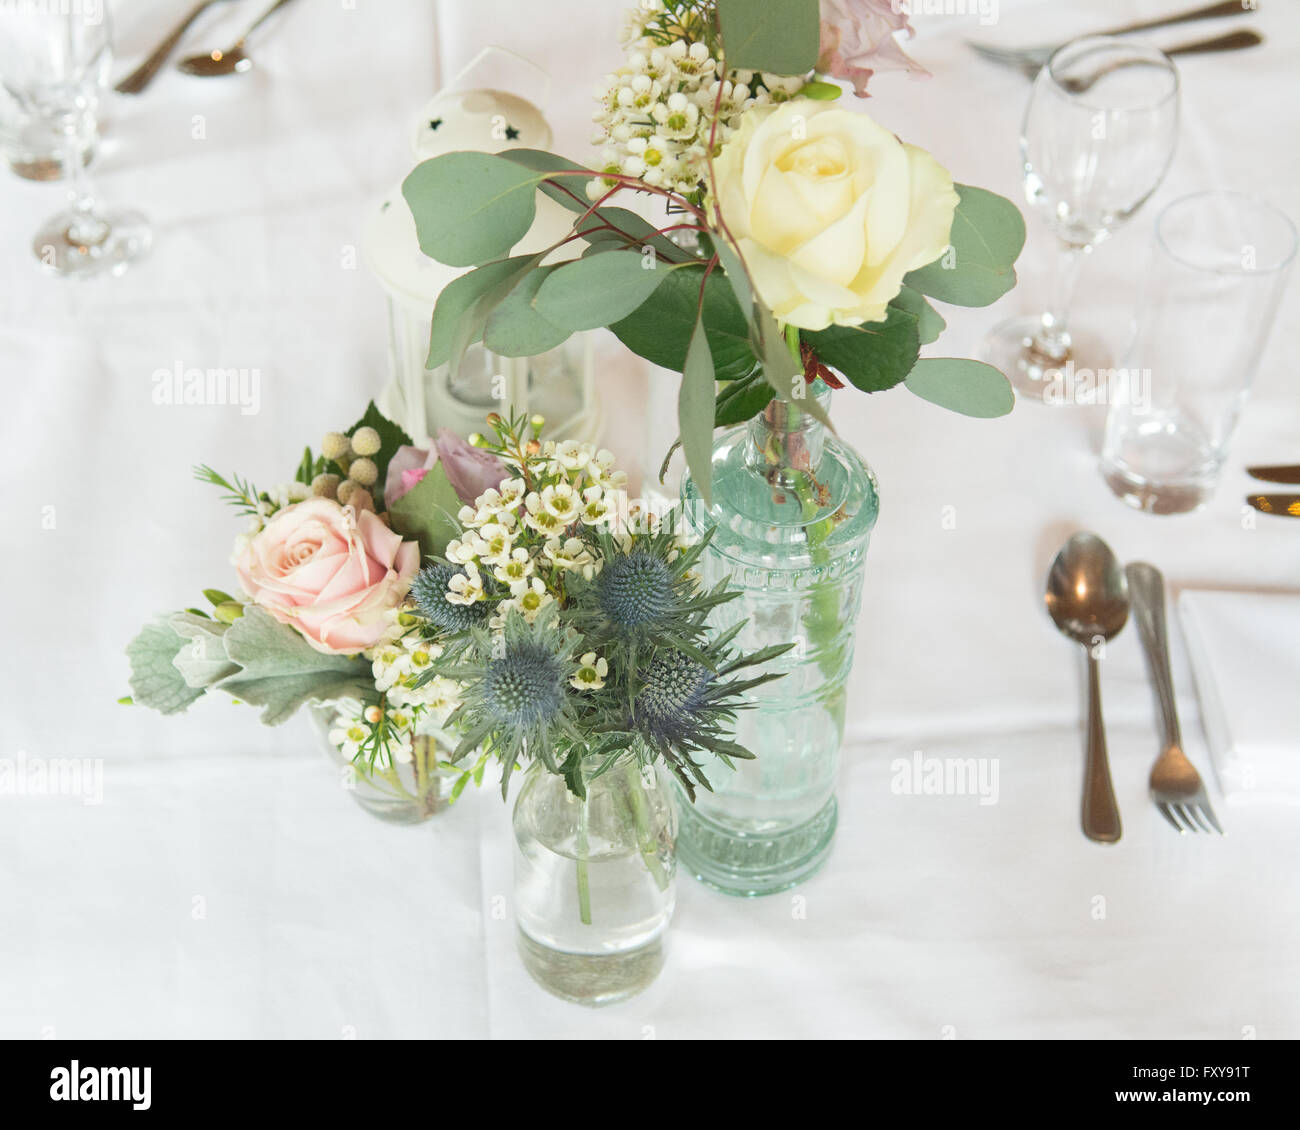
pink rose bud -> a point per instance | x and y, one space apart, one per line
406 462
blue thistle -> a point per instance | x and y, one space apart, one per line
524 687
674 702
635 590
429 591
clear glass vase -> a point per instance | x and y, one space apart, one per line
594 880
407 793
792 513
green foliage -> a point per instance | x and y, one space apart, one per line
455 303
988 233
427 512
660 329
239 493
960 385
597 291
929 325
280 671
742 400
514 328
873 356
695 411
203 660
779 36
470 208
155 680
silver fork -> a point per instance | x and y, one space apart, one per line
1176 787
1025 57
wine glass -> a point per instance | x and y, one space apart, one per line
54 62
1097 138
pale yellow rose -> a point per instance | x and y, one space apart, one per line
830 210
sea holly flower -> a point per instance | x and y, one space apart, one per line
431 591
635 589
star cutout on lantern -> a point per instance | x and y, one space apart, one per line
434 123
512 134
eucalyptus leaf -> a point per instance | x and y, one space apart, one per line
281 671
988 233
782 37
155 681
600 290
695 412
621 228
455 301
873 356
470 208
929 324
660 329
473 322
515 328
564 181
735 274
961 385
202 660
427 513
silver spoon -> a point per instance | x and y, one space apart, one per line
1087 598
230 61
144 74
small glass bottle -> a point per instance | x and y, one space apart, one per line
792 513
594 880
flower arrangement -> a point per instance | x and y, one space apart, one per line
804 241
573 624
553 619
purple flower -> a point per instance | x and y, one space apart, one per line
858 39
469 470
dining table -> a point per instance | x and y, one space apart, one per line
221 884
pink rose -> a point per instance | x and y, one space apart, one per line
330 572
858 39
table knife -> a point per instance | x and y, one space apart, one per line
1288 474
1284 505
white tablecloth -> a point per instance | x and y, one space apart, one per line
225 887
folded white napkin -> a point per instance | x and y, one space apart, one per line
1245 653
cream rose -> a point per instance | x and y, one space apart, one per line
830 210
330 572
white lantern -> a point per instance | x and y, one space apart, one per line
559 384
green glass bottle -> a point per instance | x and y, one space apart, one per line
792 512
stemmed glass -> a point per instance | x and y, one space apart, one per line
54 61
1097 138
